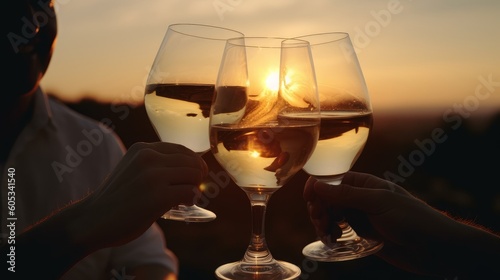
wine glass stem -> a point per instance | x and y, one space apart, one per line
258 252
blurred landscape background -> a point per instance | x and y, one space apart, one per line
458 175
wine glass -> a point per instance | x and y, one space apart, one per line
264 125
179 92
346 120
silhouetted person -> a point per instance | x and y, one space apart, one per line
52 158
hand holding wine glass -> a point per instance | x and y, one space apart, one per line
264 125
179 92
346 120
419 238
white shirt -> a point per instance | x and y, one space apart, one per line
60 157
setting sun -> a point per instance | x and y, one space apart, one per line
254 154
273 81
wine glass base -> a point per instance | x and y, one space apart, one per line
189 213
276 270
341 250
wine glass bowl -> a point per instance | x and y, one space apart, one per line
179 92
346 120
264 125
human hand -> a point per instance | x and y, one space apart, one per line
149 180
416 237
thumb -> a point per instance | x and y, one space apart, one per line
370 201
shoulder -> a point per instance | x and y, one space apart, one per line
84 128
66 117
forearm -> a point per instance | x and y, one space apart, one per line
470 251
483 249
50 248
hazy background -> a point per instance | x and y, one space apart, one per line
429 65
413 53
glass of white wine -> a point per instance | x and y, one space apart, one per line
346 120
179 92
264 125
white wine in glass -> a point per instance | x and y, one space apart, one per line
264 125
346 120
179 93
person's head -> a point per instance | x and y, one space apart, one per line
28 44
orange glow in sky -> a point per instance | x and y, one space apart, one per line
412 53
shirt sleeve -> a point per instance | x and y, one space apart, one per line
149 248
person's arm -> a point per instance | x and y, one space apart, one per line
52 247
416 237
470 252
149 180
46 250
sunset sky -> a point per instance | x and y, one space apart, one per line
413 53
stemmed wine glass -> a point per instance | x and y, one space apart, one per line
264 125
346 120
179 93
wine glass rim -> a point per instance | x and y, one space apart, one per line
243 42
174 28
324 37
